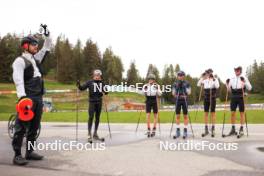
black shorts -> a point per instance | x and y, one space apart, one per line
181 104
238 101
207 105
151 105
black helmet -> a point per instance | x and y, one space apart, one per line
181 73
209 71
29 39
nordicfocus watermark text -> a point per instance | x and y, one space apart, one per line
59 145
191 145
124 87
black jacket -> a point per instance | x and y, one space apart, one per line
96 89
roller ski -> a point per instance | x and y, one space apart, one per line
185 134
153 133
206 132
178 134
231 133
97 138
241 133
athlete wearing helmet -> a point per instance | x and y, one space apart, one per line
151 90
97 89
27 77
181 89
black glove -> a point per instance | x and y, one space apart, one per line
227 81
45 28
242 79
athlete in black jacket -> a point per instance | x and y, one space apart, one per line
96 89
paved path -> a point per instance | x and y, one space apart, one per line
133 154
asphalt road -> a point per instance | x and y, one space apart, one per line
128 153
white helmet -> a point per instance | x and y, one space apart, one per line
151 76
97 72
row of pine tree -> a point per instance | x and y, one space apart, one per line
69 63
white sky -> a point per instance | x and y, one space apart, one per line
197 34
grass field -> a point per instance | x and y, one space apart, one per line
7 106
253 116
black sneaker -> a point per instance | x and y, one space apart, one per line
185 134
148 133
241 132
206 132
19 160
178 133
213 132
232 132
34 156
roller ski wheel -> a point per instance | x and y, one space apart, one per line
228 135
153 134
175 137
205 134
213 134
100 139
240 134
90 139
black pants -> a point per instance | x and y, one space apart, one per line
94 109
237 102
29 128
209 104
181 104
151 105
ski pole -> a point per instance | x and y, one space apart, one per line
224 112
157 100
199 99
138 120
243 92
105 103
210 107
77 112
174 114
188 113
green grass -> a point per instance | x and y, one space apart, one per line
7 102
253 116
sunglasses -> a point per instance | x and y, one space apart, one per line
34 43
